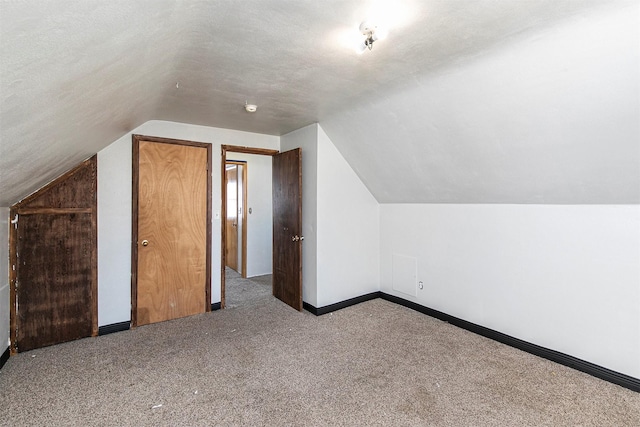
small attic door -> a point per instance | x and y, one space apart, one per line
53 252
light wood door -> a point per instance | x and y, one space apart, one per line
231 249
287 228
172 267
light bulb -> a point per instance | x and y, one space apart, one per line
380 33
361 48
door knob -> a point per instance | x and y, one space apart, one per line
145 243
297 238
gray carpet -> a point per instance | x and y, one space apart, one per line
265 364
239 291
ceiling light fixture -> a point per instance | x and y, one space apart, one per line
250 108
371 33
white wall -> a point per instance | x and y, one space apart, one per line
114 209
260 220
340 223
348 238
563 277
306 138
4 280
114 232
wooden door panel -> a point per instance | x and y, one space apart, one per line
231 249
172 223
53 252
287 225
54 271
75 189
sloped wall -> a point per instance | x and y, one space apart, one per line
546 118
562 277
348 229
340 221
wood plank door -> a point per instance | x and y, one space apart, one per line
53 252
231 249
172 229
287 227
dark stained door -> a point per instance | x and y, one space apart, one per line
54 272
54 251
287 227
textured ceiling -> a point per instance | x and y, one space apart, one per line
76 75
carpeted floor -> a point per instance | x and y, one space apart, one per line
265 364
239 291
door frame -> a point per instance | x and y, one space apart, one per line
223 215
134 217
243 218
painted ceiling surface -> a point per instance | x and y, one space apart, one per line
466 101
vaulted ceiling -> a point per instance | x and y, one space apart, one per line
466 101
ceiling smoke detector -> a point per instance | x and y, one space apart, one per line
250 108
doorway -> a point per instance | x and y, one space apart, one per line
236 173
286 263
171 229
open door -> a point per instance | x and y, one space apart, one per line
287 227
287 222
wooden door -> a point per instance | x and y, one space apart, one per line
287 227
172 206
231 249
54 259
